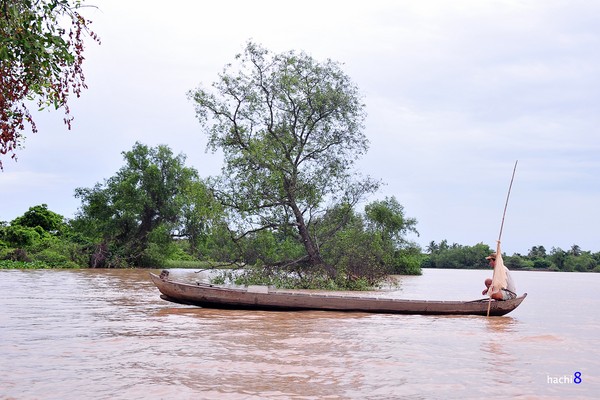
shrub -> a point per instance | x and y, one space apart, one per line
54 259
40 216
541 263
21 236
407 264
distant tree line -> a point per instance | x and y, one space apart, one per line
444 255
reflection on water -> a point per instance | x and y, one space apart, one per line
496 349
100 334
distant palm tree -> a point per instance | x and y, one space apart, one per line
432 247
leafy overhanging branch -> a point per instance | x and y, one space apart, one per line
40 60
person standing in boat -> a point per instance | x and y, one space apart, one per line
506 292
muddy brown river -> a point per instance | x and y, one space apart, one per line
106 334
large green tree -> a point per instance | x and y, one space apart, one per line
41 58
290 129
152 199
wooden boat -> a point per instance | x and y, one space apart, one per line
265 298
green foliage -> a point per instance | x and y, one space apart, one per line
363 251
356 253
40 216
269 248
456 256
584 262
518 262
541 263
559 260
54 259
150 200
199 212
387 217
12 254
369 246
41 54
408 262
290 129
22 236
10 264
160 248
558 257
537 252
180 251
293 279
220 245
40 238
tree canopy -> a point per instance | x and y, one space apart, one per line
41 58
290 129
42 217
151 199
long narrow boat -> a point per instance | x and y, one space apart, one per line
265 298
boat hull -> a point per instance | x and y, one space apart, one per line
263 298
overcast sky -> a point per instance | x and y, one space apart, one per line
456 92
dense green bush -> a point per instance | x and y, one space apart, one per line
456 256
22 236
40 238
408 262
40 216
541 263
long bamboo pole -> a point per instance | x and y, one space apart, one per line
507 197
502 224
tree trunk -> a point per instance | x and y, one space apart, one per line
314 256
140 241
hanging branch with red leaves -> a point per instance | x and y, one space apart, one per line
40 60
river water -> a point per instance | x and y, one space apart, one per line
106 334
